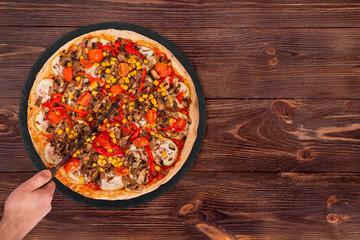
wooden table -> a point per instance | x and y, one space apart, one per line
281 155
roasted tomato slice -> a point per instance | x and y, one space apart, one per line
163 70
54 118
123 69
116 89
86 63
122 171
96 55
141 142
180 125
71 165
104 143
68 74
151 116
84 99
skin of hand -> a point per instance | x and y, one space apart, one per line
26 206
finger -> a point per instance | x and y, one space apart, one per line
38 180
49 188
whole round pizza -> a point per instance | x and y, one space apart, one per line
147 137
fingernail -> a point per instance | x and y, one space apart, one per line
46 173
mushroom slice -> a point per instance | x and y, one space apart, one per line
167 151
40 122
56 67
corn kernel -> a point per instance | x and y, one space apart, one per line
124 121
78 78
171 98
141 99
146 61
75 47
71 136
94 85
71 95
164 154
107 64
128 61
81 57
145 96
138 67
108 80
80 107
76 134
129 118
108 70
112 62
86 50
132 57
101 156
125 87
120 164
107 107
131 108
153 125
78 151
107 86
103 64
110 150
151 96
88 139
114 140
158 90
113 162
147 100
127 80
81 179
98 162
113 80
113 59
117 125
161 85
110 94
157 168
60 131
99 71
160 136
103 162
93 93
112 134
101 169
108 125
154 109
100 110
152 133
153 101
96 64
74 155
123 106
104 54
93 137
185 81
127 151
163 94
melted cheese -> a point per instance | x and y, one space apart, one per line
56 67
50 155
185 89
43 88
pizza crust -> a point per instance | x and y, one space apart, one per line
40 139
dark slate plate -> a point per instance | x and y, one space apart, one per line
35 158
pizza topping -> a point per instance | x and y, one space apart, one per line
86 63
68 74
96 55
84 99
71 165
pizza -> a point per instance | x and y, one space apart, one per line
147 137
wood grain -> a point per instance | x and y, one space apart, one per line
236 205
250 135
184 14
255 63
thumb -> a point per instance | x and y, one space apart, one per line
38 180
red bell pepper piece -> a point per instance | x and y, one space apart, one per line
142 81
107 47
68 119
93 186
116 46
136 133
126 129
131 50
92 79
151 160
179 143
82 112
114 98
180 96
171 79
129 43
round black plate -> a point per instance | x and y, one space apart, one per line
35 158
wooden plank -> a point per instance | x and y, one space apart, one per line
249 135
214 14
280 63
234 205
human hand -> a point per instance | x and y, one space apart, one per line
26 206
